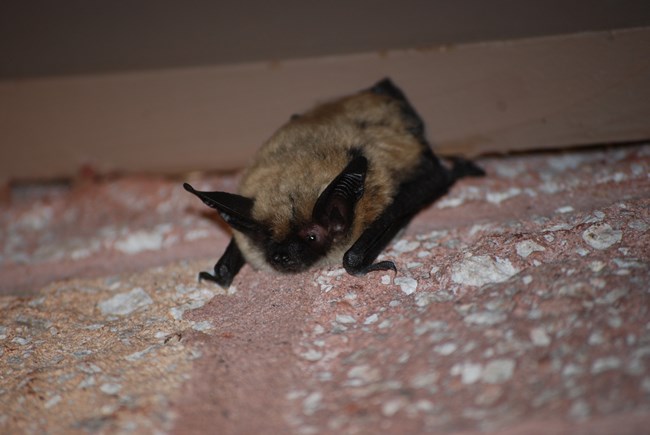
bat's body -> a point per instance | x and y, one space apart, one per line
333 185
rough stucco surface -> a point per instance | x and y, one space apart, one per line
521 305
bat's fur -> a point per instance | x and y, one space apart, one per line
379 139
300 160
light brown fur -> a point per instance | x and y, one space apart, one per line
298 162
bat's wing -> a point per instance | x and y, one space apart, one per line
227 267
430 180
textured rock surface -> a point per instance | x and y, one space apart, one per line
521 305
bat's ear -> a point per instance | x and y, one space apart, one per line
334 208
234 209
387 87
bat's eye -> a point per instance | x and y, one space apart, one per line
313 234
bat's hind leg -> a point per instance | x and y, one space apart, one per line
227 267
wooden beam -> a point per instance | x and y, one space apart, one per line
491 97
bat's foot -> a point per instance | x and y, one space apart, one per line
354 265
207 276
226 268
382 265
223 281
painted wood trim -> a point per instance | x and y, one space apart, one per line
476 98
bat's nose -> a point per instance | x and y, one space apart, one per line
283 261
281 258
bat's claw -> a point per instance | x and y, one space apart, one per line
206 276
382 265
223 281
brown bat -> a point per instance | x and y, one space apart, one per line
333 185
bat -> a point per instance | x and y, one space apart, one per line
333 185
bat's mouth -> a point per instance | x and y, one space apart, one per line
289 267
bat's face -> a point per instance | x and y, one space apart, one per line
303 247
306 242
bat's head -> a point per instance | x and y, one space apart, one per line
308 241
